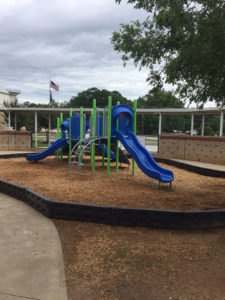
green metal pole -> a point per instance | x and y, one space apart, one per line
57 152
81 127
61 120
70 134
91 126
93 136
134 128
117 143
109 135
103 146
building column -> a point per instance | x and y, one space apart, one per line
203 125
15 122
35 129
192 123
49 129
9 120
160 124
221 123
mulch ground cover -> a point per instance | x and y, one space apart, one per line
106 262
51 178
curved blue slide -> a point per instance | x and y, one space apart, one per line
143 158
55 146
140 154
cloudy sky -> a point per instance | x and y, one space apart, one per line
68 40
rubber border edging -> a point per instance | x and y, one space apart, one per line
164 219
17 155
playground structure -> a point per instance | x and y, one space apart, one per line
104 132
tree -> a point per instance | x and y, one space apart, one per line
86 97
182 43
159 98
26 119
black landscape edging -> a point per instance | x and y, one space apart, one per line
165 219
16 155
195 169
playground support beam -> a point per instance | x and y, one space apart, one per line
103 134
35 128
15 122
49 129
9 120
93 136
203 125
58 122
134 129
221 122
117 143
81 123
160 124
192 123
61 133
109 135
70 134
81 128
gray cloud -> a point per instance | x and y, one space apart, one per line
70 40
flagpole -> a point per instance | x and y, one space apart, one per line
54 86
49 85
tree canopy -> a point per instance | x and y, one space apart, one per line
182 42
85 98
159 98
27 119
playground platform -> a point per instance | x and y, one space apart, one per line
31 261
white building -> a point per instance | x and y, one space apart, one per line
8 95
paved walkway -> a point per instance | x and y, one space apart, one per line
31 261
15 152
202 164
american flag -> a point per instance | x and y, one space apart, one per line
54 86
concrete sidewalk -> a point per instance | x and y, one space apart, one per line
15 152
201 164
31 261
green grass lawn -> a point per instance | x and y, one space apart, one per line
41 140
151 143
151 140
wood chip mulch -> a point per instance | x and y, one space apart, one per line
51 178
117 263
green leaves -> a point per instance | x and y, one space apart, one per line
85 98
181 42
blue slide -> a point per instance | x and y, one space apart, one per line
55 146
143 158
124 133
